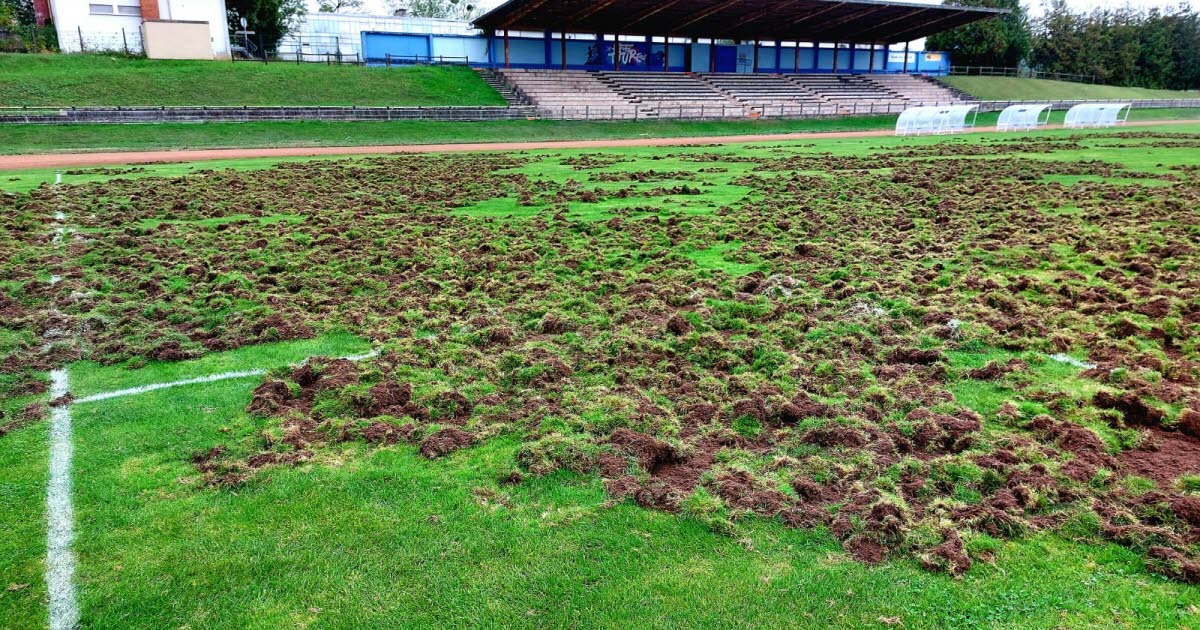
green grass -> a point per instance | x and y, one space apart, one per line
79 80
1014 89
23 180
384 537
22 139
381 537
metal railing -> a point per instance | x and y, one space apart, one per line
660 110
297 57
331 58
74 115
1021 73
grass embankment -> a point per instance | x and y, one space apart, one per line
26 139
81 80
1014 89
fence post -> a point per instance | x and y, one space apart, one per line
79 29
124 42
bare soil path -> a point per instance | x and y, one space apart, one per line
55 160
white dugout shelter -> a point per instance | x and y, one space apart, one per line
939 119
1018 117
1097 115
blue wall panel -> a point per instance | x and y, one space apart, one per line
526 52
377 46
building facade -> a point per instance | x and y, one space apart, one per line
120 25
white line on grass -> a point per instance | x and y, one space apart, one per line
60 515
142 389
60 529
211 378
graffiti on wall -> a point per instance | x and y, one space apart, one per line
632 55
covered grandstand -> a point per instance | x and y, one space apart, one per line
716 35
695 58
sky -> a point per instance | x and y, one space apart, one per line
380 7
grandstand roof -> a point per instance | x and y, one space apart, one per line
802 20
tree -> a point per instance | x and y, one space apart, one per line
1125 46
337 6
269 19
1000 41
16 13
446 9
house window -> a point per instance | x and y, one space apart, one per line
120 9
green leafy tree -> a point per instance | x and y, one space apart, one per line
447 9
269 19
338 6
1125 46
999 41
16 13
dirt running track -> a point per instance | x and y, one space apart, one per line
54 160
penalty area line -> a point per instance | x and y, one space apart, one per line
211 378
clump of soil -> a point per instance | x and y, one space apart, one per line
444 442
1135 411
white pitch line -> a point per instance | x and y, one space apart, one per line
60 529
1070 360
211 378
142 389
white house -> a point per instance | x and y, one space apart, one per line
160 28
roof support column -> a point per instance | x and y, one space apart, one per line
816 56
562 46
778 45
871 68
616 52
756 56
836 53
507 56
853 48
905 57
666 54
712 55
796 58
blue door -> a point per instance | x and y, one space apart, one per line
725 59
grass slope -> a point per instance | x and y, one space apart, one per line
23 139
1014 89
80 80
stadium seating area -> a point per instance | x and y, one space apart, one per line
579 94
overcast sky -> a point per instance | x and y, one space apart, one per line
381 6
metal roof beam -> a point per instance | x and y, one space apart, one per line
704 14
903 17
590 11
521 12
762 14
651 13
901 36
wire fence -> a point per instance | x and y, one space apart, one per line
120 41
1022 73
